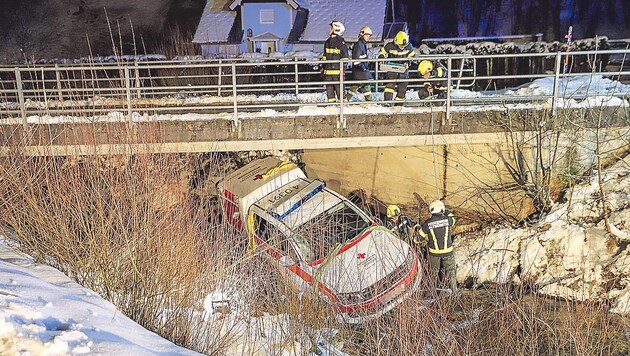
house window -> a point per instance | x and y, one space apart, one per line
267 16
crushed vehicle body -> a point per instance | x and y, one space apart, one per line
319 239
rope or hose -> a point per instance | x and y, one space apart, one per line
437 191
318 272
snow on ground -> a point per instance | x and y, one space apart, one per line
567 254
43 312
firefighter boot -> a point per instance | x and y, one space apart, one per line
353 90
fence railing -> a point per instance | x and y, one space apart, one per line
237 86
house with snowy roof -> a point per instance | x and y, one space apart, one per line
232 27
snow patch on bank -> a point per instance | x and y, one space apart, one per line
568 254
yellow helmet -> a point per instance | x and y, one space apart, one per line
365 30
401 39
392 210
425 67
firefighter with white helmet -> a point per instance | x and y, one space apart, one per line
437 232
433 70
399 48
335 49
361 69
402 225
365 30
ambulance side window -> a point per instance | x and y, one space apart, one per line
274 237
266 231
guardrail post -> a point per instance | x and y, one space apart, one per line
20 94
58 78
237 122
219 79
128 94
341 123
376 76
461 72
297 90
44 91
556 85
137 79
449 83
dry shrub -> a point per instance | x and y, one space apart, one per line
491 322
127 227
177 42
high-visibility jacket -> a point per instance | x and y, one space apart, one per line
335 48
437 231
391 50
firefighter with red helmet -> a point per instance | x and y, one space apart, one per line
399 48
335 49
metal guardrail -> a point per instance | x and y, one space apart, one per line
235 86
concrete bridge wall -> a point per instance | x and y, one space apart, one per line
79 137
390 156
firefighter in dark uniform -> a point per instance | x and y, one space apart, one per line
436 231
335 48
436 89
399 48
360 69
402 225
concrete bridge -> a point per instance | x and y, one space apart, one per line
464 151
259 133
136 107
398 157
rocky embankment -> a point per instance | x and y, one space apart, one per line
569 254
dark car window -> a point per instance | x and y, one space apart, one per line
273 236
337 225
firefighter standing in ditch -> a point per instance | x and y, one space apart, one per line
335 49
399 48
437 232
402 225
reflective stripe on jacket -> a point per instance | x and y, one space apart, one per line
335 48
439 71
391 50
359 51
437 231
